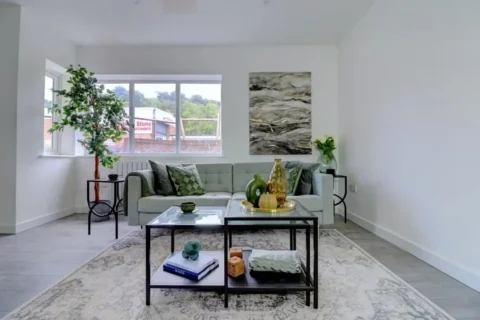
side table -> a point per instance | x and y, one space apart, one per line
114 208
341 199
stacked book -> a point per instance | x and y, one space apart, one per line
193 270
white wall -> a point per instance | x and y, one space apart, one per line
9 31
409 114
234 64
45 186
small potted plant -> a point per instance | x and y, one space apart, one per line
326 158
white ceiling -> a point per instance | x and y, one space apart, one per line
91 22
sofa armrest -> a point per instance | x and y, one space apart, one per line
323 186
138 184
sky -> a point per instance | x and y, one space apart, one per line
149 90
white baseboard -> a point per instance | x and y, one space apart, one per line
7 229
35 222
81 209
453 269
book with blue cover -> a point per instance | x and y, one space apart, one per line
196 267
191 275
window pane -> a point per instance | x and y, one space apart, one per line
121 91
155 109
200 130
47 114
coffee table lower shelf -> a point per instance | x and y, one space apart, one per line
243 284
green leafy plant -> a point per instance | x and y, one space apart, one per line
325 145
98 114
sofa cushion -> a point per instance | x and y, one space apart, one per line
305 184
239 196
216 177
162 184
243 173
311 202
186 180
158 204
293 177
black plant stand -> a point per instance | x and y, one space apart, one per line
341 199
114 208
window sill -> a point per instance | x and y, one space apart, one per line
56 156
160 155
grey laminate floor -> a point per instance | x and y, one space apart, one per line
38 258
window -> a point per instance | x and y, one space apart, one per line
50 141
170 117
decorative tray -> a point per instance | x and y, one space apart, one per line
288 206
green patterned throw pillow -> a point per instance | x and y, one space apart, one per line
186 180
293 177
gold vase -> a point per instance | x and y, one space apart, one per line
277 184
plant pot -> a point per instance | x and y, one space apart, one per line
102 209
327 164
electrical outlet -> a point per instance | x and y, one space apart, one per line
352 188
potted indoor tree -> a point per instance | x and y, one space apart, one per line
98 114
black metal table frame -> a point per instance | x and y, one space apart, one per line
341 200
312 284
117 201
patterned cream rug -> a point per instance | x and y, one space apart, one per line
352 285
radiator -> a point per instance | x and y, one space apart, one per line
122 168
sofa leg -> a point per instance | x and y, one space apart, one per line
141 227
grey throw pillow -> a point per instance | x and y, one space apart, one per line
162 184
304 186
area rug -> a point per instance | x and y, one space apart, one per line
352 285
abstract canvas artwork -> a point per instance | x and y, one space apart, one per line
280 113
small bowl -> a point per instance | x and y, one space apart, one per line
187 207
113 176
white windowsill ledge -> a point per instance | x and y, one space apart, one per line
140 155
159 155
56 156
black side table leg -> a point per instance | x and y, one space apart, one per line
315 264
90 210
116 225
116 198
89 221
172 240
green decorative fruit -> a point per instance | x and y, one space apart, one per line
255 188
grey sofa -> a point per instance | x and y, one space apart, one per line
222 182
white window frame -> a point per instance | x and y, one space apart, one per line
176 80
57 84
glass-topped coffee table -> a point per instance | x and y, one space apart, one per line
238 217
208 218
228 219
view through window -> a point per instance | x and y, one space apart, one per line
48 101
154 115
